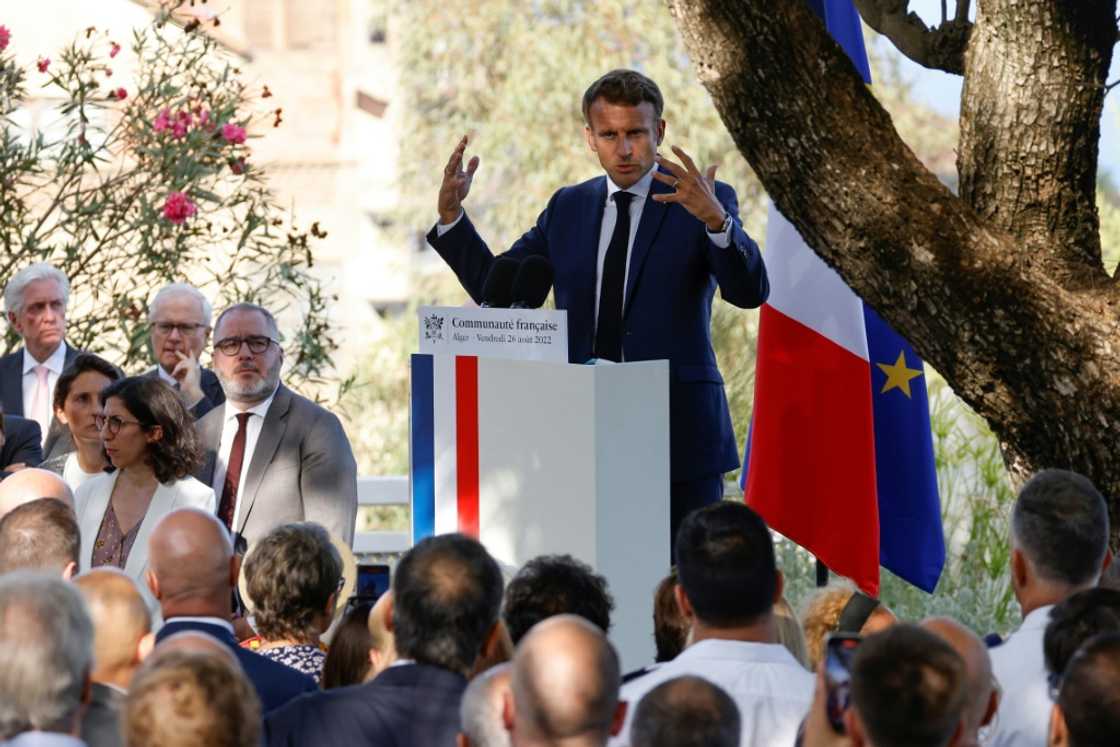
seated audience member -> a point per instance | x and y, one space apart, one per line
447 592
907 690
293 576
480 713
553 585
41 536
122 638
981 694
1087 710
565 682
150 439
272 456
178 329
30 485
47 640
1073 622
840 609
76 405
1059 537
184 699
352 656
192 575
20 445
686 711
729 584
790 634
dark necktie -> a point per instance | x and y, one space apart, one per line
233 471
608 333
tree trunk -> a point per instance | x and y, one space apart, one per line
1001 290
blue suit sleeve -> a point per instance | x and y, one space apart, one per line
738 268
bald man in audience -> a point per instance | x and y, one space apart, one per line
686 711
31 484
480 713
122 638
565 686
981 695
41 536
192 572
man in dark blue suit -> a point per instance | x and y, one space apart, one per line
447 591
192 572
20 444
638 254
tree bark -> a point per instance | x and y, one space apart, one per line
1033 349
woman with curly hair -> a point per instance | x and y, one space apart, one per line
840 608
293 576
149 439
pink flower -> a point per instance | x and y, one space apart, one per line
237 166
179 129
178 207
114 49
120 94
5 37
43 63
233 133
162 121
108 72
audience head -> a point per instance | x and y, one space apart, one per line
47 639
790 634
41 535
553 585
1087 711
980 691
670 626
565 684
725 560
145 422
77 394
840 608
447 592
122 625
35 301
195 642
350 659
31 484
686 711
1059 536
178 323
183 699
1074 621
192 568
907 689
247 353
480 711
292 576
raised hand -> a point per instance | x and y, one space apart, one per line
456 183
695 191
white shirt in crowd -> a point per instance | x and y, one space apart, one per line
229 432
73 473
55 362
1023 719
772 690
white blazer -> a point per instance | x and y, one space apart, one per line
92 501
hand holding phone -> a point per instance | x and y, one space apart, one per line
838 678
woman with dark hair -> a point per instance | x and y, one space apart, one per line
349 661
293 575
149 438
76 404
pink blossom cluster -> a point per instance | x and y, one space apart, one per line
178 207
114 49
233 133
43 63
180 122
120 94
5 37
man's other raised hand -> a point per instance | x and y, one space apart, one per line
456 183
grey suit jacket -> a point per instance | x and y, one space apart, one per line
302 469
101 720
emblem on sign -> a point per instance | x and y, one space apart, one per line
433 327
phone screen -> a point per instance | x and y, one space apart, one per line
838 678
372 582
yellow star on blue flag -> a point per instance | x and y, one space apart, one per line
898 375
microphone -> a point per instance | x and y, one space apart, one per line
532 284
497 291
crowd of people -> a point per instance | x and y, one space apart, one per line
171 574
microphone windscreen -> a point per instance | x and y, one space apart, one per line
497 291
533 282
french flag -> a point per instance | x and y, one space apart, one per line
840 455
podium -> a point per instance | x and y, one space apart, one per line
548 458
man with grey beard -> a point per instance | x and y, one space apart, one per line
272 456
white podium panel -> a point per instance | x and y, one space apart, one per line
544 458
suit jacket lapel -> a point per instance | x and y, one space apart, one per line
272 432
163 500
653 214
584 252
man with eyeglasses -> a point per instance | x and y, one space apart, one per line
179 328
272 456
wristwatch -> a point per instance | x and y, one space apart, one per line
725 227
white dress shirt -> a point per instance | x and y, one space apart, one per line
1023 719
772 690
55 362
225 446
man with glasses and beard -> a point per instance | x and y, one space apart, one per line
272 456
